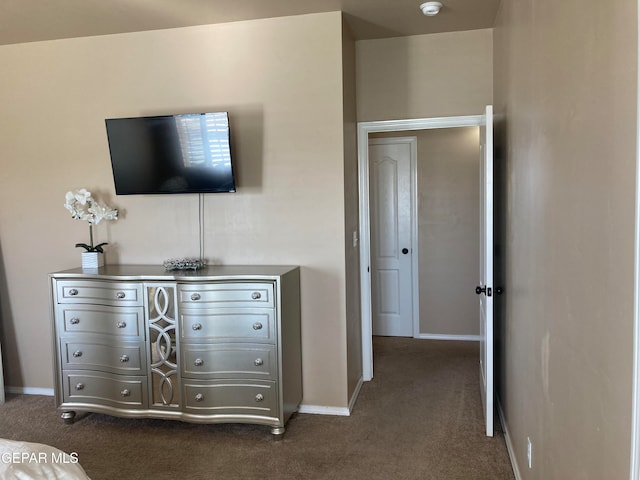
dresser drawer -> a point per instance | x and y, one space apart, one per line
101 293
105 389
114 321
229 361
232 397
228 325
226 295
124 358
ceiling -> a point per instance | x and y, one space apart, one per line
36 20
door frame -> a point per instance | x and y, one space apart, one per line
364 129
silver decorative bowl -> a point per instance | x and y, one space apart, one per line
183 264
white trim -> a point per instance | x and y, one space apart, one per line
30 391
423 123
507 439
322 410
354 396
439 336
364 128
365 253
634 472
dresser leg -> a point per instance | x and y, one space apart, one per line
68 416
277 432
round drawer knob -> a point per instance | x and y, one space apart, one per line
121 324
199 397
198 362
77 353
125 393
120 295
73 292
256 295
257 326
74 321
259 397
195 297
80 386
196 326
257 362
124 358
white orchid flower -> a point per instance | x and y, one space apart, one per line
83 207
100 212
83 196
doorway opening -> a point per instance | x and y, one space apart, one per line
368 169
365 131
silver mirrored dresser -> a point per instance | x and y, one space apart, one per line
220 344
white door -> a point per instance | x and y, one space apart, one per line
485 288
391 163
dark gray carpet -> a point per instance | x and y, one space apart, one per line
420 418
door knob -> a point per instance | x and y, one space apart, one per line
405 251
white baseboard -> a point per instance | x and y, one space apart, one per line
507 440
339 411
30 391
438 336
322 410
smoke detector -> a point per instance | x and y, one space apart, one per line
431 8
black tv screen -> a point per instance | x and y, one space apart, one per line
186 153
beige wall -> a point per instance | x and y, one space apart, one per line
351 211
281 81
444 74
448 216
565 97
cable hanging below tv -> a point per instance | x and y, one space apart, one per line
183 153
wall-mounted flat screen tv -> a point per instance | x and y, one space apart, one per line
185 153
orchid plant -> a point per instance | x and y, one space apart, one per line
83 207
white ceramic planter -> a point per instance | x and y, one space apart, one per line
92 260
